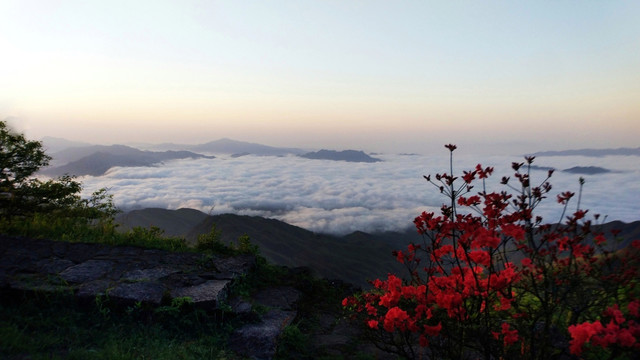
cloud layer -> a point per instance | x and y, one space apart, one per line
340 197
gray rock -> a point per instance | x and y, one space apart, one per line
283 297
259 341
18 260
240 307
146 292
87 271
232 267
148 274
93 288
81 252
181 280
54 265
209 294
124 273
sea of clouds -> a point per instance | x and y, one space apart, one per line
341 197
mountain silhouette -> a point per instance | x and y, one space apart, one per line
229 146
96 160
353 258
345 155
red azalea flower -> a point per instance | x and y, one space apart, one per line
480 257
433 330
600 239
510 336
582 333
634 308
565 196
395 318
615 313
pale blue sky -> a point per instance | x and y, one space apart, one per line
376 75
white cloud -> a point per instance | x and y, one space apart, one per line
341 197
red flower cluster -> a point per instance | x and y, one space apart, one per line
488 273
619 331
509 336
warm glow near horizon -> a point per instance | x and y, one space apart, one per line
375 75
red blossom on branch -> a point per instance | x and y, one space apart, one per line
509 336
564 197
490 272
620 332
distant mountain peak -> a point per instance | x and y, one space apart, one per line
96 160
230 146
344 155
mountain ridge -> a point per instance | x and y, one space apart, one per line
354 257
96 160
344 155
584 170
230 146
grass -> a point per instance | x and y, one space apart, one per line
55 326
76 230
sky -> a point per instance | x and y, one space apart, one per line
382 76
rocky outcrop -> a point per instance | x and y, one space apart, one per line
129 275
263 334
125 274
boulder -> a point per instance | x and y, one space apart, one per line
87 271
258 341
125 274
209 294
145 292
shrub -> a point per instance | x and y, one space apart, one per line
292 343
213 243
245 246
491 280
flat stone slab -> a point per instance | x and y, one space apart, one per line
148 274
93 288
87 271
54 265
124 273
210 293
147 292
